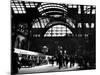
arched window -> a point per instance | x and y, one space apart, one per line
58 31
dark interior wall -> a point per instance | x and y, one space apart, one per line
69 44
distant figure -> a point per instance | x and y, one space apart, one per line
72 61
65 59
80 61
60 59
48 60
56 60
52 61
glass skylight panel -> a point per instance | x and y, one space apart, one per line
68 31
93 11
20 12
21 4
54 28
79 35
92 25
79 9
79 25
62 27
49 35
38 25
86 35
12 4
24 11
51 5
70 22
19 9
42 24
47 5
57 31
63 32
59 34
88 7
33 26
40 10
27 4
54 31
54 34
70 6
15 11
35 4
74 6
88 11
32 6
73 25
11 0
87 25
51 12
15 0
43 3
85 7
16 4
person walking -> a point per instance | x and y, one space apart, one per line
52 61
60 59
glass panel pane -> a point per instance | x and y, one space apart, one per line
93 11
92 25
87 25
15 11
19 9
57 31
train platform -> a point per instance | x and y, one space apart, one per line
46 68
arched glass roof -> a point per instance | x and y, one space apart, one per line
52 8
40 23
57 31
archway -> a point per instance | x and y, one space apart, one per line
66 26
57 31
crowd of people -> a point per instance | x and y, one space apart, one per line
62 59
31 61
26 61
